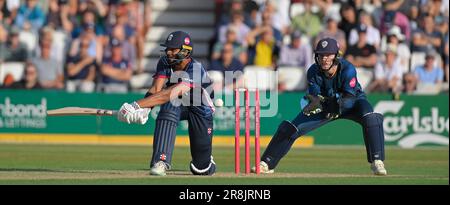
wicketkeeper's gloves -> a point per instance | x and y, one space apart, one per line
331 107
314 106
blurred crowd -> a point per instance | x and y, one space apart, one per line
398 44
77 45
98 45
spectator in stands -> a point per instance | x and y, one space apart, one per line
30 17
3 43
362 55
296 53
8 12
332 31
267 22
388 73
436 7
373 34
88 19
428 73
228 64
58 16
395 37
308 23
409 83
81 69
57 51
115 72
29 80
349 19
227 11
75 46
251 11
278 12
123 19
133 19
14 50
50 71
239 51
238 23
263 48
95 46
326 7
446 59
123 29
427 37
128 49
391 17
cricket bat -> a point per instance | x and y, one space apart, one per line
69 111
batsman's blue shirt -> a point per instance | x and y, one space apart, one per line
343 82
194 76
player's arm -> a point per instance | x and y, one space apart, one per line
164 95
313 98
134 112
157 86
346 99
159 79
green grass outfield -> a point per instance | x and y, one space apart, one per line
105 164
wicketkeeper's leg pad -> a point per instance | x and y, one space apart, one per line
372 124
280 144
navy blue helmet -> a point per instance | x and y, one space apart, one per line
327 46
181 40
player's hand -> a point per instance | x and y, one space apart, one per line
132 113
314 106
331 107
332 116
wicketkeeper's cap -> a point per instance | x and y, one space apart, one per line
327 46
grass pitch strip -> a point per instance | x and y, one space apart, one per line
106 165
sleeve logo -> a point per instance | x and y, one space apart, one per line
352 82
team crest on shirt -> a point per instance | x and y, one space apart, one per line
324 44
352 82
209 130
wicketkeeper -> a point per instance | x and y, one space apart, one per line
178 76
333 93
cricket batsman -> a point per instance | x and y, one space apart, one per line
333 93
180 87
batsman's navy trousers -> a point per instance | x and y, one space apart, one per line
200 134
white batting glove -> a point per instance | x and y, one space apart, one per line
142 115
126 113
132 113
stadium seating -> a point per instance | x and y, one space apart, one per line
293 78
418 59
260 77
29 39
141 81
365 76
14 68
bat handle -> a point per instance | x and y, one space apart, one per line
101 112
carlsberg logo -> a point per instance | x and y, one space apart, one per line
415 129
23 110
